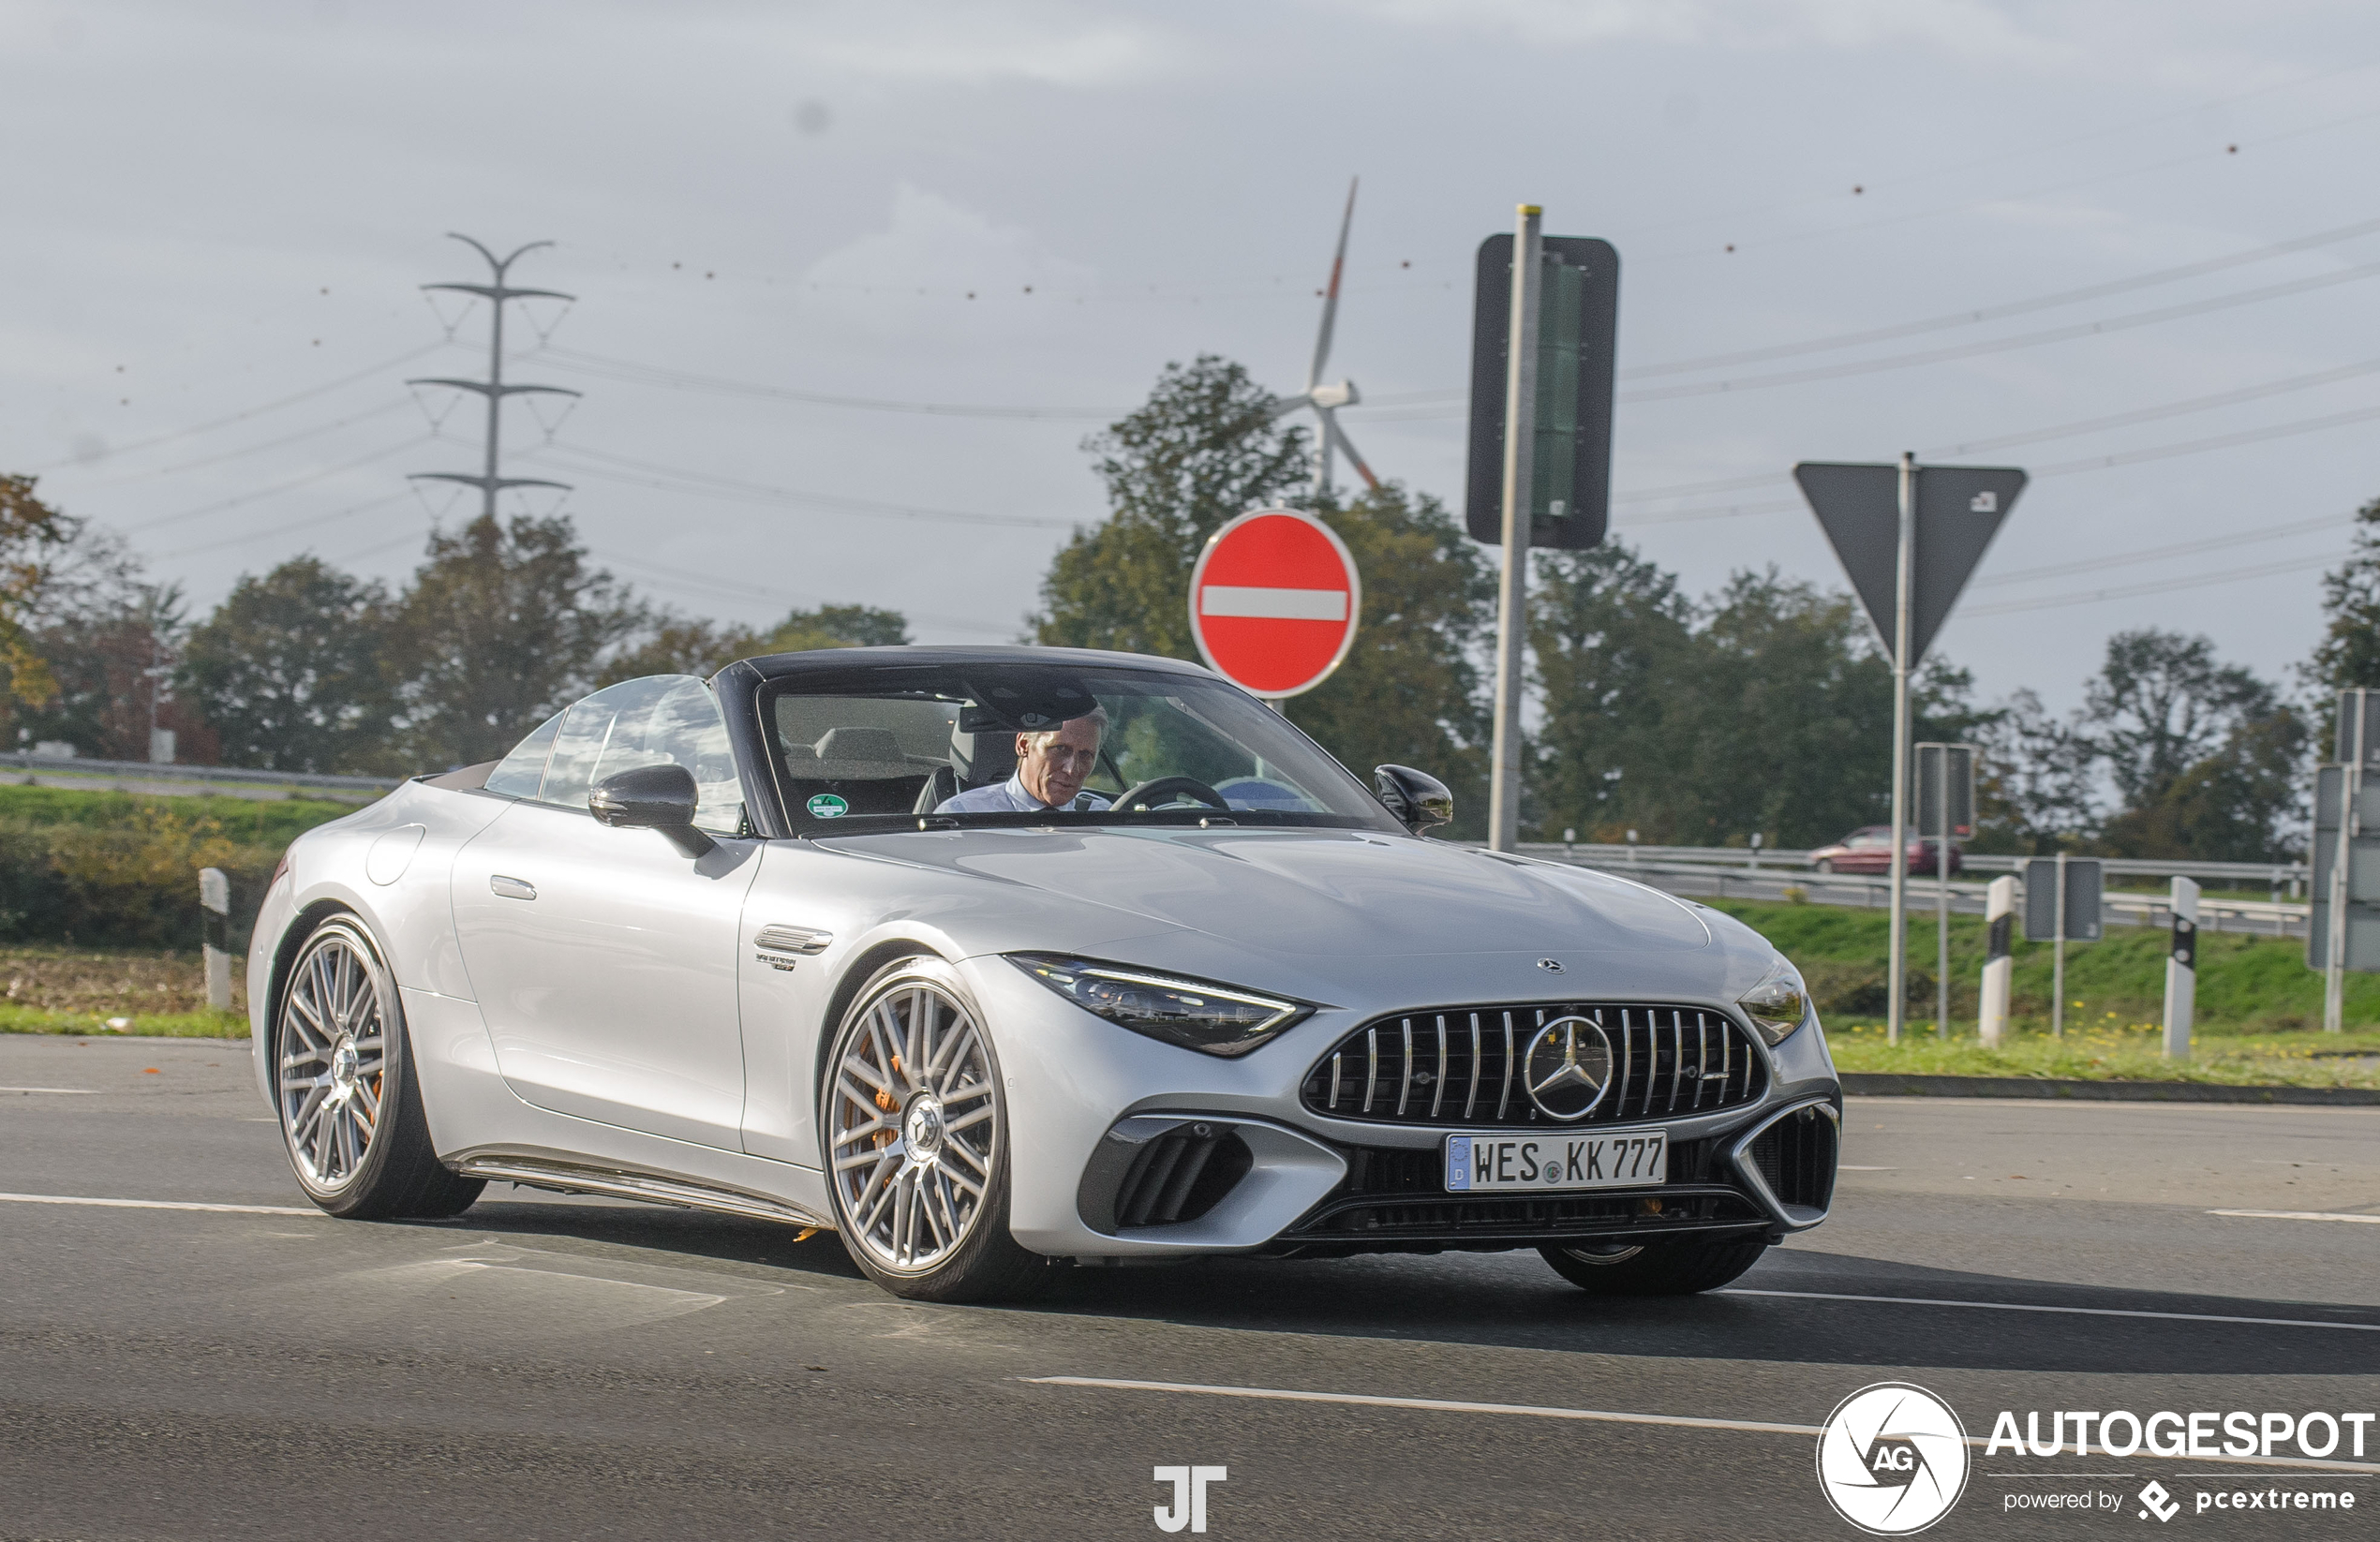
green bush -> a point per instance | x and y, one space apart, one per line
107 870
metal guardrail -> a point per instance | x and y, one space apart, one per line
1715 881
2277 875
149 771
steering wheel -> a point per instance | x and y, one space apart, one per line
1140 797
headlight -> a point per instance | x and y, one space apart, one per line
1778 1003
1215 1019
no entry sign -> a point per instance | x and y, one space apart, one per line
1274 602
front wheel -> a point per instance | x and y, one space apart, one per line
351 1110
917 1141
1663 1266
1825 866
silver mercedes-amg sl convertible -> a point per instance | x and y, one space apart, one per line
994 959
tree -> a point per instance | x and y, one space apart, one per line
105 640
2348 656
2033 789
289 670
2243 803
2160 703
681 645
503 625
1408 691
1614 641
1203 449
32 536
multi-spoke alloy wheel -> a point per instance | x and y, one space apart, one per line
916 1142
343 1085
333 1060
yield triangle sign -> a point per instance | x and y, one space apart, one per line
1959 509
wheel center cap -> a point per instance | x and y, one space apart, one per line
343 1063
922 1125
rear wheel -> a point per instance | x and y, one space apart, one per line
1826 866
350 1110
917 1142
1664 1266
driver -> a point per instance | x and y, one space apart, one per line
1051 769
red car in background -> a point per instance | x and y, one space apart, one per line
1869 850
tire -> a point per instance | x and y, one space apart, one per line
918 1164
1670 1266
1825 866
343 1091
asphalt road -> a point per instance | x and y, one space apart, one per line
545 1368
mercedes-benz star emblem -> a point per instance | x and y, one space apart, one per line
1553 964
1567 1066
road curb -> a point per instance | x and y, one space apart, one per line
1874 1085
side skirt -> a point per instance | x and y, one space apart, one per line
622 1184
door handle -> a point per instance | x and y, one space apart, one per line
511 888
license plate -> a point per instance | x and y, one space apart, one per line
1551 1163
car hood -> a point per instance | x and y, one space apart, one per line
1320 894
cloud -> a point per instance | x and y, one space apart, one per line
936 251
1063 45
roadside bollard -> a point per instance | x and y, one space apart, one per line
2181 971
215 913
1999 914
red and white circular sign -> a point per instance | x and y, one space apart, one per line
1274 602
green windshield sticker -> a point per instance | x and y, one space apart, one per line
828 805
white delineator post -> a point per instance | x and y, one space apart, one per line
215 914
1520 464
1999 919
2181 971
1896 971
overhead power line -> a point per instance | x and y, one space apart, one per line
307 523
682 380
311 477
209 427
2167 586
712 585
2004 345
597 463
301 436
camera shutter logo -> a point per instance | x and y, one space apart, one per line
1567 1066
1892 1459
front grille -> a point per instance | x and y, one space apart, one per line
1461 1066
1796 1158
1181 1175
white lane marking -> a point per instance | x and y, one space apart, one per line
2072 1311
1431 1405
1274 604
82 1092
156 1205
1595 1415
2300 1215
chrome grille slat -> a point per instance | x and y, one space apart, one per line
1655 1076
1474 1095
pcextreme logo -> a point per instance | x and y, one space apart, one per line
1892 1459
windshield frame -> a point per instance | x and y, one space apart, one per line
883 677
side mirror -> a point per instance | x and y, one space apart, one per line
651 797
1418 799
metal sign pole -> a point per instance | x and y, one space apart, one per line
2058 959
2334 964
1942 892
1520 449
1992 1019
1897 971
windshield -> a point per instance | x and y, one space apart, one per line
1037 743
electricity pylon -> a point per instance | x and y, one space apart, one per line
493 388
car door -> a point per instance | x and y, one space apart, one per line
604 959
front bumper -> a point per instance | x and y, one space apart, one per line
1125 1148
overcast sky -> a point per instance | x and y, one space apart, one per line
219 216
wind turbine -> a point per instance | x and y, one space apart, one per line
1327 399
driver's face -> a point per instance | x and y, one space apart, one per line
1055 770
